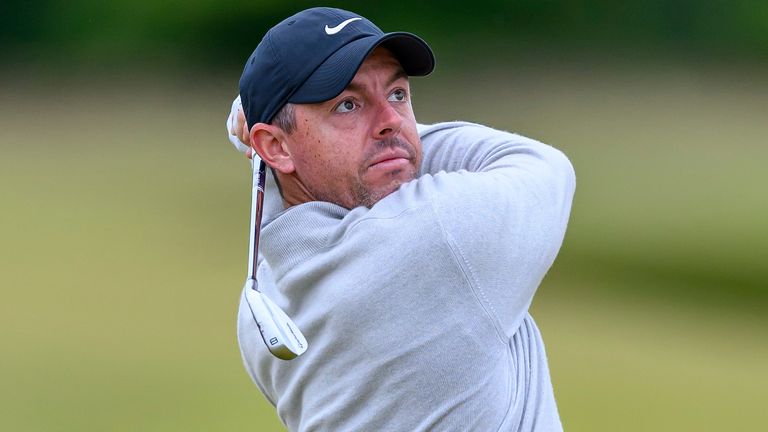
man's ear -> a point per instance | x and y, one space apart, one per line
268 142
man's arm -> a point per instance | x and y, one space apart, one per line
503 201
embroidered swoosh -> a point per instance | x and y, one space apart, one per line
334 30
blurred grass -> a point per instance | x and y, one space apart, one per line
124 213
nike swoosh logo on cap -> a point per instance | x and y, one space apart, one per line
334 30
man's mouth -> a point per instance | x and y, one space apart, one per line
390 158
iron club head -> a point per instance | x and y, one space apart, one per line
282 337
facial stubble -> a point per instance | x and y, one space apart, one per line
366 195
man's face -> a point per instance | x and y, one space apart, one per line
362 145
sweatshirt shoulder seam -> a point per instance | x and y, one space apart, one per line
469 275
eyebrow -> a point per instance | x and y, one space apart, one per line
399 74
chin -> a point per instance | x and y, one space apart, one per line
368 195
381 193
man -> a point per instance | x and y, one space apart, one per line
407 254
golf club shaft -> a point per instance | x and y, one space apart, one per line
257 204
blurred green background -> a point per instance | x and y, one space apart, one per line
125 210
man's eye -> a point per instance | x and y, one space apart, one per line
397 96
345 106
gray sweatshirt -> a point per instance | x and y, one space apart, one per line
416 310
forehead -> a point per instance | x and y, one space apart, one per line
381 57
380 60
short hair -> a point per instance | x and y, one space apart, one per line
285 119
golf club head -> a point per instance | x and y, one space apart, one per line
282 337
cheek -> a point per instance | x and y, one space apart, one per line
322 161
411 134
338 147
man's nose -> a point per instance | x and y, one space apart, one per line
388 121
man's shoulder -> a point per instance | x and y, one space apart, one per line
466 133
432 128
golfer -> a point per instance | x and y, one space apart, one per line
407 254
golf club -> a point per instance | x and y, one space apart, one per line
282 337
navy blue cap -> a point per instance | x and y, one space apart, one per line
312 56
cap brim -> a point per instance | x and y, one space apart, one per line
337 71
